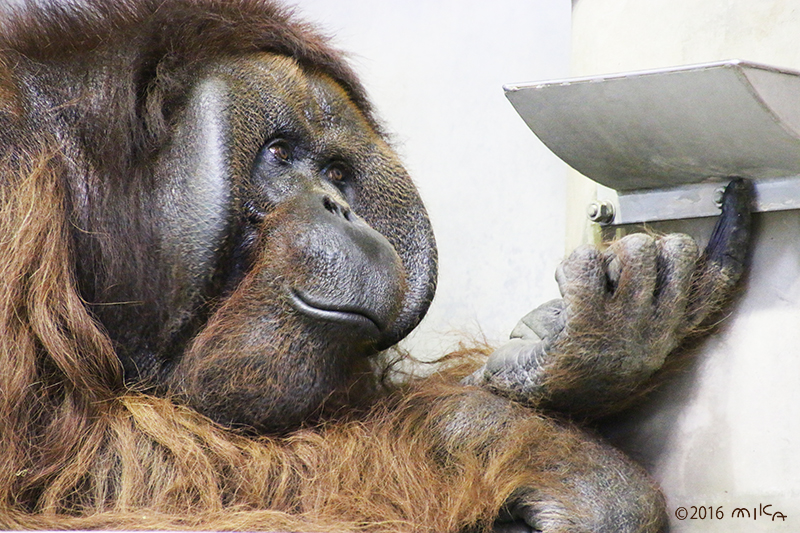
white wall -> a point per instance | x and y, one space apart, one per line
496 195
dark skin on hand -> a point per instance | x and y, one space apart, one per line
209 251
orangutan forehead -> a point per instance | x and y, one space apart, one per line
272 95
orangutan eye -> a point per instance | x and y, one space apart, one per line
336 172
281 150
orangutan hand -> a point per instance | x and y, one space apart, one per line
623 311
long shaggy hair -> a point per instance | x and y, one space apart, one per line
78 449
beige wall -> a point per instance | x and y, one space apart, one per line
727 432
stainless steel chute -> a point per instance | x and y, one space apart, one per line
662 142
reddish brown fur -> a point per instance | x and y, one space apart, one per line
79 451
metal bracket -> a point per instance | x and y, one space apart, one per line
662 142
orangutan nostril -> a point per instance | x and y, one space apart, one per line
333 207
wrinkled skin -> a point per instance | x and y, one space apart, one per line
623 311
280 206
254 260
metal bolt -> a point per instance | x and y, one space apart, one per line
600 212
718 194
